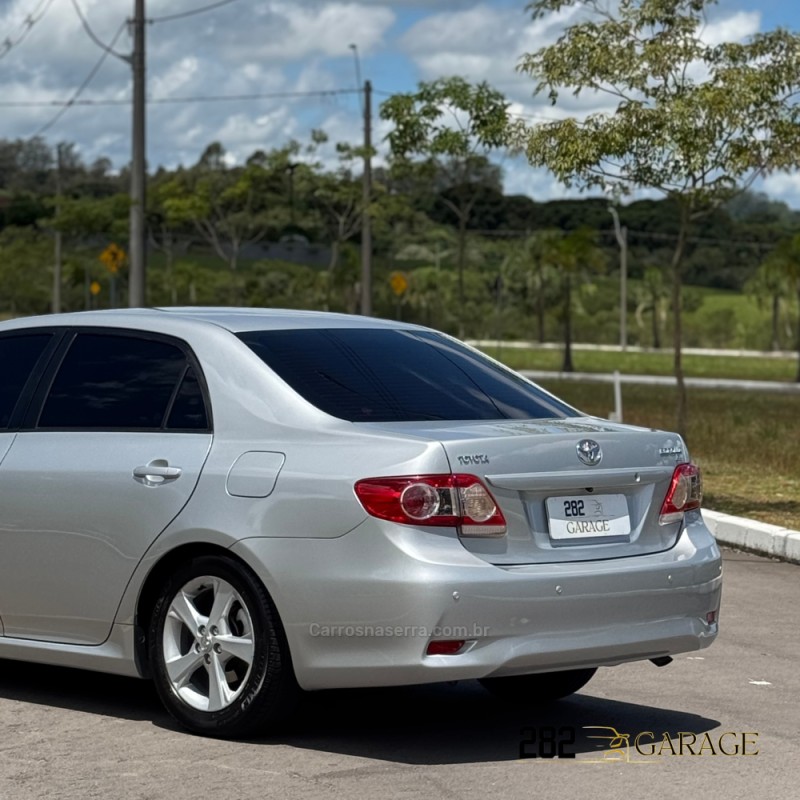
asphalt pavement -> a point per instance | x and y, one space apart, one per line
71 734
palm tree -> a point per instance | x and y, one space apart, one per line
784 262
768 286
652 296
576 256
436 246
541 252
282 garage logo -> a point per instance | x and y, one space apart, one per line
560 742
547 742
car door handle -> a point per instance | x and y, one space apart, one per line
156 473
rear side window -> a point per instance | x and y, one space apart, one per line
123 382
369 375
189 409
18 356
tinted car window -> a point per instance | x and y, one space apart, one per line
367 375
189 408
18 357
108 381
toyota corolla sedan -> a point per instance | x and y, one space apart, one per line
243 504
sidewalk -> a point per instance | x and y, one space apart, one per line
781 387
615 348
755 537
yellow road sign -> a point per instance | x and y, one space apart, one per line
94 288
399 283
114 258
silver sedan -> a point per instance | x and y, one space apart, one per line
244 504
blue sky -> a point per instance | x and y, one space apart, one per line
275 46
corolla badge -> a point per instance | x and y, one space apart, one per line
589 452
671 450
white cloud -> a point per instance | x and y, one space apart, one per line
241 133
253 47
176 77
521 178
487 43
291 31
783 186
735 28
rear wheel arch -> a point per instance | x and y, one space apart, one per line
155 581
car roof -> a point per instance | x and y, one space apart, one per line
232 319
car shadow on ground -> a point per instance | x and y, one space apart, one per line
462 723
80 690
439 724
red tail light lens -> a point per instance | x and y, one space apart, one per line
451 647
685 493
446 501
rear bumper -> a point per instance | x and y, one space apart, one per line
360 610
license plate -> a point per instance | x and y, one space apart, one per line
590 518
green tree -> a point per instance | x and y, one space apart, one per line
768 287
337 199
431 294
542 253
87 225
82 217
695 121
783 268
450 126
172 234
24 279
652 295
436 247
575 257
230 207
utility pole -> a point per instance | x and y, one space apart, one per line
57 265
366 220
290 168
138 243
622 240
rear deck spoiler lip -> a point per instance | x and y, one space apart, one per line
595 478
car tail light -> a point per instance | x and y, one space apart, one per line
685 493
446 501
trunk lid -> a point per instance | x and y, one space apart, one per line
558 507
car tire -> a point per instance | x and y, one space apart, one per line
218 652
539 689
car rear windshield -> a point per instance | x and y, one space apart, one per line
384 375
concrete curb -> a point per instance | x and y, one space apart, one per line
754 537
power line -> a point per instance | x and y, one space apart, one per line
537 117
95 69
192 12
322 93
700 240
91 34
9 44
255 96
511 233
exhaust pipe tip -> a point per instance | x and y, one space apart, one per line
661 661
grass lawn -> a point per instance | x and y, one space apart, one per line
744 441
736 367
